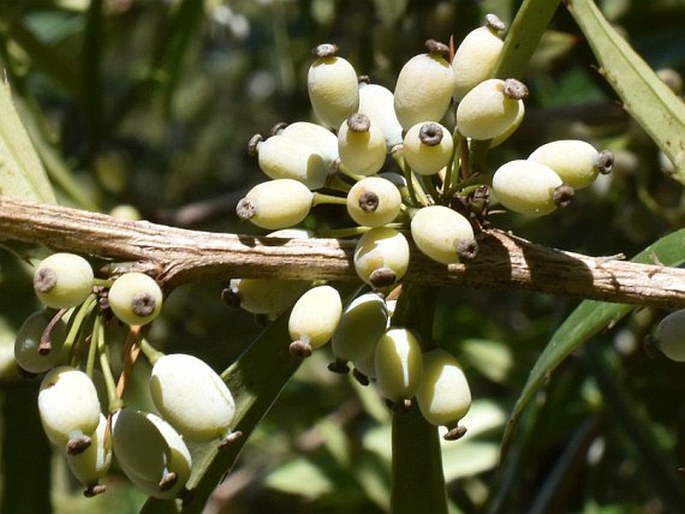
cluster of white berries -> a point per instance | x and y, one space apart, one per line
67 338
432 199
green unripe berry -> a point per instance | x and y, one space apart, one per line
377 102
192 397
381 257
443 396
424 87
398 364
362 323
135 298
29 353
530 188
92 464
475 57
361 145
427 147
313 319
490 108
332 86
284 157
279 203
443 234
63 280
69 408
318 138
577 162
669 336
374 201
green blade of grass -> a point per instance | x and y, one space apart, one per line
648 100
588 319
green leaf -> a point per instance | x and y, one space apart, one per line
653 105
22 175
588 319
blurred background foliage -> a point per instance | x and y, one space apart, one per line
151 103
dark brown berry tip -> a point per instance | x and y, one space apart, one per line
143 304
278 128
455 433
382 277
325 50
230 439
300 349
430 134
467 249
168 481
493 22
359 122
94 490
369 201
253 143
563 195
44 280
436 47
231 297
360 377
338 366
605 162
246 209
78 444
515 89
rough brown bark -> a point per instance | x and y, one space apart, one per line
178 256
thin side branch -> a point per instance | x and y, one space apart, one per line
177 256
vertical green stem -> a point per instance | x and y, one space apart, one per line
418 482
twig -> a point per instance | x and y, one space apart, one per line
175 256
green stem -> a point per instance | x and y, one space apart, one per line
418 482
321 198
151 354
93 348
76 324
113 399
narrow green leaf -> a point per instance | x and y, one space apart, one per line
588 319
653 105
22 174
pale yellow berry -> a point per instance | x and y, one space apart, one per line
313 319
475 57
398 364
444 396
63 280
381 257
443 234
577 162
377 102
333 87
373 202
669 336
427 147
283 157
318 138
362 323
279 203
530 188
361 145
490 108
135 298
424 87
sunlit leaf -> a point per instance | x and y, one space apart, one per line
653 105
588 319
22 174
